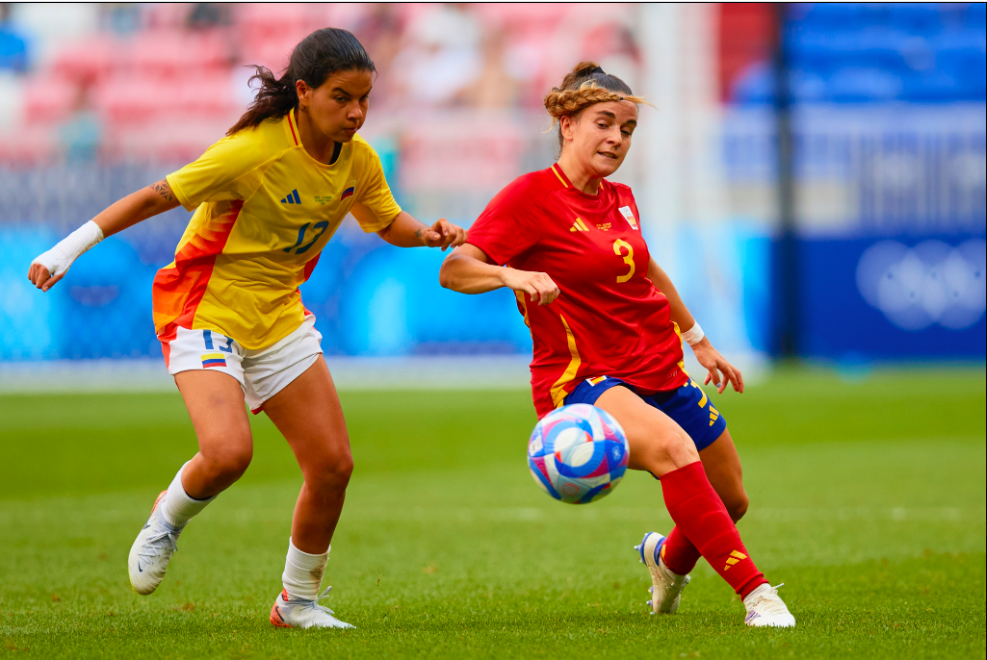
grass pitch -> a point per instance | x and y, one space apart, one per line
867 500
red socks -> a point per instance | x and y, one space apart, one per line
701 519
678 552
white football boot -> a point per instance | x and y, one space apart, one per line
151 552
291 613
766 609
666 586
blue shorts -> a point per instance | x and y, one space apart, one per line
688 406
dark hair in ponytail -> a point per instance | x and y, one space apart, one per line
314 59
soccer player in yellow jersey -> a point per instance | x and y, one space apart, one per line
267 198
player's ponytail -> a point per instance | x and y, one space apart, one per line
314 59
585 85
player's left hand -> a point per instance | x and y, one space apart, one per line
715 364
443 234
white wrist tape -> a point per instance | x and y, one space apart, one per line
58 259
693 335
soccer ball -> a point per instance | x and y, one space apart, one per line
578 453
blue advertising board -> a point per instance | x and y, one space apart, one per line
915 297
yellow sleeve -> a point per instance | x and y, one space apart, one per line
222 173
375 195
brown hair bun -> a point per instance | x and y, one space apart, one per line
585 85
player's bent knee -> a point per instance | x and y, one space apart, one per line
738 507
663 453
331 474
679 448
230 464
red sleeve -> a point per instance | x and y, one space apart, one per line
507 227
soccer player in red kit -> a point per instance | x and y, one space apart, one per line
605 320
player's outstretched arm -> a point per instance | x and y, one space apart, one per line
679 312
406 231
707 356
50 267
467 270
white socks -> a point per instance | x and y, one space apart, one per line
303 572
176 508
302 575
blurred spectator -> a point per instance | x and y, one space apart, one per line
495 87
82 133
120 17
379 30
442 56
208 14
612 44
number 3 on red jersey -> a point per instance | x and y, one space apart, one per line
619 245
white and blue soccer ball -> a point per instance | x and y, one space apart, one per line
578 453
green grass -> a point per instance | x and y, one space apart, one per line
867 500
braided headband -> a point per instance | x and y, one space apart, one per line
585 95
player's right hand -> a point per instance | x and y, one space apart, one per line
42 268
49 267
539 286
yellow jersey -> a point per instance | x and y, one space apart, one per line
264 209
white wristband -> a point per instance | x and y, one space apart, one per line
693 335
58 259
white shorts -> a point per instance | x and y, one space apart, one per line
262 373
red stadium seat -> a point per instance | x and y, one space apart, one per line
49 99
272 17
272 52
165 15
136 99
346 15
746 34
207 97
488 150
173 53
524 18
87 61
139 100
263 20
166 141
27 145
267 33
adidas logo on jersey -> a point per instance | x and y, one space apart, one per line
579 225
292 198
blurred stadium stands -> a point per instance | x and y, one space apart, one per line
889 133
874 53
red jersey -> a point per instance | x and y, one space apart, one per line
609 320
